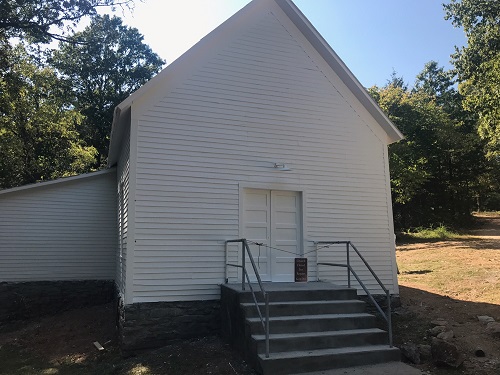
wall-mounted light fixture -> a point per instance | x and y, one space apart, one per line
281 167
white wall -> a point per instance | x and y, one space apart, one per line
62 230
263 95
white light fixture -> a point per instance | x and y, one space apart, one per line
281 167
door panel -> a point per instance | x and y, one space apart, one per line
285 233
257 228
273 218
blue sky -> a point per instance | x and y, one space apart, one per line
372 37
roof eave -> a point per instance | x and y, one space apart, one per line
57 181
336 63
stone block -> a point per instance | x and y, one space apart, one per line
150 325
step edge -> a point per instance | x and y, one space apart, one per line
306 302
309 317
345 332
327 352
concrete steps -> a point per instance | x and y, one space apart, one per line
296 362
313 327
321 340
313 323
306 307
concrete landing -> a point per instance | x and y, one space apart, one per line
281 287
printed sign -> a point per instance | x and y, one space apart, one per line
300 269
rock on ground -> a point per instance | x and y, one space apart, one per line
446 353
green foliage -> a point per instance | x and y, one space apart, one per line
482 96
478 63
440 232
57 108
104 65
407 160
39 139
437 170
35 20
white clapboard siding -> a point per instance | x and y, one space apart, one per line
265 96
59 230
123 191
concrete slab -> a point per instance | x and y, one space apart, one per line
391 368
282 287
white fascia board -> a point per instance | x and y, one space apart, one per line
57 181
339 67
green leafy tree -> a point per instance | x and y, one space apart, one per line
473 174
38 130
478 63
411 158
436 169
107 62
440 84
44 20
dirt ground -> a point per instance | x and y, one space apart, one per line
63 345
453 280
456 281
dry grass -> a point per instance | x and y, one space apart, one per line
466 269
455 280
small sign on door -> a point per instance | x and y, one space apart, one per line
300 269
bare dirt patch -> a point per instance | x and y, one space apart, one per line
63 345
457 281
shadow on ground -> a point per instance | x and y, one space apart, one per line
472 243
62 344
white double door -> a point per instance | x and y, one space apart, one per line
273 219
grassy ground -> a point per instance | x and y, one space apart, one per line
429 234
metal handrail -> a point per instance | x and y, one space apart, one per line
349 244
244 275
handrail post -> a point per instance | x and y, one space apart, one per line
267 324
389 317
243 265
226 270
348 265
386 315
264 320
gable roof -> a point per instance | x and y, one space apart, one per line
122 111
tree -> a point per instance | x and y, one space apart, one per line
439 84
436 170
37 20
410 159
38 131
478 63
104 65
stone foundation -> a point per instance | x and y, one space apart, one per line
33 299
151 325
